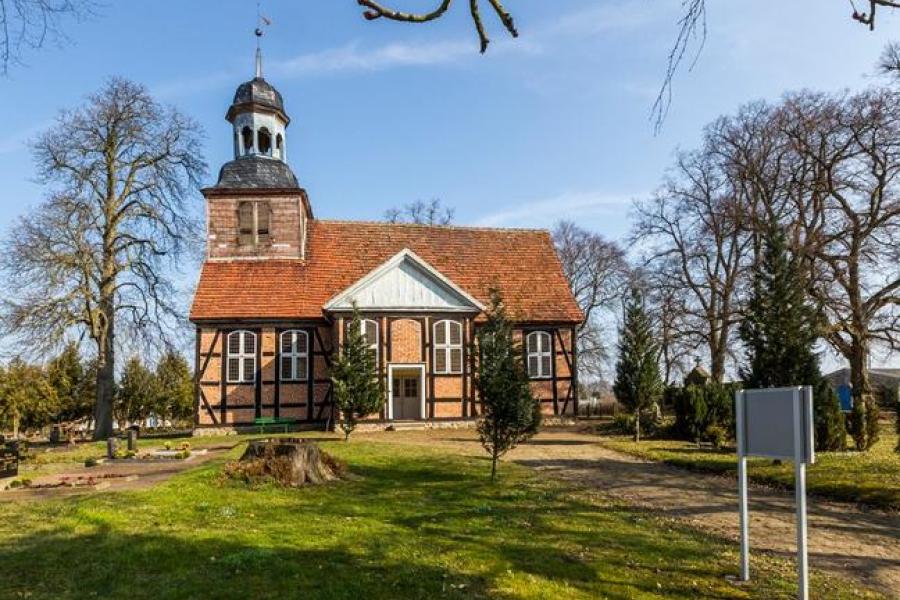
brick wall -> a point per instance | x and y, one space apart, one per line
287 227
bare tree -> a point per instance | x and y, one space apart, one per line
598 272
695 241
667 305
32 24
851 217
97 255
421 212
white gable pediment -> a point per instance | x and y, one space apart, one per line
405 283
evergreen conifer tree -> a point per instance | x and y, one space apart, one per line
136 394
638 384
358 391
510 414
780 330
175 387
74 386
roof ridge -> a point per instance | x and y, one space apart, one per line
426 226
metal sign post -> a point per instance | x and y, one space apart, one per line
776 423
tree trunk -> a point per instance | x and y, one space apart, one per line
637 425
289 461
106 383
15 424
717 356
494 465
859 369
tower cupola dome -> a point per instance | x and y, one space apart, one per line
259 119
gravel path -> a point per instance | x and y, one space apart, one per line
843 539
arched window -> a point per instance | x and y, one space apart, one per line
247 138
447 347
279 146
369 330
294 355
241 357
264 141
539 348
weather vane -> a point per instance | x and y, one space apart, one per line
261 22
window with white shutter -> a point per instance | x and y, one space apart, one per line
539 351
294 355
241 359
447 348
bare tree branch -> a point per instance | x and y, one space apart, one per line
420 212
376 10
32 24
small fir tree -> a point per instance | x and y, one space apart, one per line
174 387
638 384
862 422
780 330
358 391
510 414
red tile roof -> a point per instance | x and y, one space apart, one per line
522 263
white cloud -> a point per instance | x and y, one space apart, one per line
620 17
352 57
355 57
579 206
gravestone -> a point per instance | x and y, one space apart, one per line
9 461
112 446
132 440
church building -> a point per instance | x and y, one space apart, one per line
278 284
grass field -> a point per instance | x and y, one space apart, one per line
413 522
871 477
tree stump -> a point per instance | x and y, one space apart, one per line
291 462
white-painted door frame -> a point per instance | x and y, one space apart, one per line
390 392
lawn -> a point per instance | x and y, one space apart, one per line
871 478
413 522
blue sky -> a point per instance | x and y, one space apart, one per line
552 125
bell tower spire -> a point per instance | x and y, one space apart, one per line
261 21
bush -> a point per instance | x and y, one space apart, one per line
623 423
650 423
830 424
887 396
862 422
716 435
700 407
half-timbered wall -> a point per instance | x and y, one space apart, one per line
402 340
268 394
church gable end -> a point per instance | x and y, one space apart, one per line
405 283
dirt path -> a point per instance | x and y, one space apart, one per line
123 475
843 539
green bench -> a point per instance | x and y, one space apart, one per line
263 422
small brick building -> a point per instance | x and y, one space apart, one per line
277 287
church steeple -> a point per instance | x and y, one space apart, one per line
259 119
